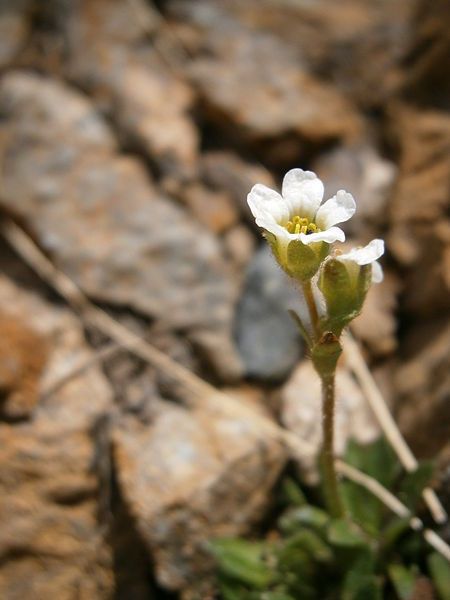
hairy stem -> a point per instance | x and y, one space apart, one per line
312 307
329 470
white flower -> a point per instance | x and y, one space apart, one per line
365 256
297 214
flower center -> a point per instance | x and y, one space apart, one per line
301 225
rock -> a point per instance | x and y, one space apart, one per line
227 172
422 386
301 413
214 209
51 543
14 28
266 335
239 245
359 46
103 49
208 476
102 221
20 367
376 326
359 169
427 82
419 231
236 65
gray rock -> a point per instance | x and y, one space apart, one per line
103 222
190 476
266 335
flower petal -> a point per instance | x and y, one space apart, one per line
366 255
331 235
262 201
377 272
303 192
337 209
269 224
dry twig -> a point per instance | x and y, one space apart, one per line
388 425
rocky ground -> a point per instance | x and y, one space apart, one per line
130 134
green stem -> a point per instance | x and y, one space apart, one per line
329 471
312 307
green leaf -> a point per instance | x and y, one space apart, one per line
403 580
394 531
292 492
440 573
243 561
346 534
360 582
378 461
412 484
313 545
308 515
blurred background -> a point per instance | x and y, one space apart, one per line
130 134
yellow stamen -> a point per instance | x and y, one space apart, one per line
301 225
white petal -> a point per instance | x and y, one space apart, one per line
366 255
262 200
303 192
377 272
337 209
269 224
331 235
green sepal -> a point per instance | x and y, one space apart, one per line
273 243
301 260
344 289
325 354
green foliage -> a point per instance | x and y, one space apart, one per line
440 574
369 555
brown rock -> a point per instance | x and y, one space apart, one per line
418 212
104 50
359 169
14 28
101 219
214 209
51 544
423 388
301 412
191 476
23 354
227 172
376 326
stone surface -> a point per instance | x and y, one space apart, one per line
419 235
212 208
359 169
51 543
102 220
14 28
422 386
190 476
225 171
103 47
20 367
301 413
236 65
376 326
266 335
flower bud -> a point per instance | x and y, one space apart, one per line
344 286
